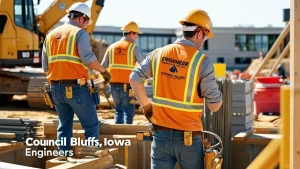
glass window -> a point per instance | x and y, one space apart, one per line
258 43
151 43
173 39
165 41
242 60
250 42
240 43
30 15
220 60
158 42
117 38
19 13
144 44
205 45
265 44
109 39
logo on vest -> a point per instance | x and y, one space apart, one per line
173 69
171 61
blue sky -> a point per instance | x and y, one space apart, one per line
166 13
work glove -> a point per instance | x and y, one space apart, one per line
107 77
147 110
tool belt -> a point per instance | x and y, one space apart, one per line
64 82
126 87
157 127
47 94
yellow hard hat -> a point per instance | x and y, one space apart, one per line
201 18
131 27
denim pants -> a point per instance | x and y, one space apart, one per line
168 148
82 105
124 109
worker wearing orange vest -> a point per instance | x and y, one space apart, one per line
121 58
182 77
67 56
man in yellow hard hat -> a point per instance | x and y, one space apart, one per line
121 58
182 77
67 55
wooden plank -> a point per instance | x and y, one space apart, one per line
87 163
7 135
242 135
295 82
54 162
119 166
10 146
266 130
282 55
257 139
269 55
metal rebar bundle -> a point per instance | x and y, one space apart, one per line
220 122
22 128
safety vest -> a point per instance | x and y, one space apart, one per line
121 61
63 59
176 71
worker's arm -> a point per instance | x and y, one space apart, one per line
137 79
44 59
139 57
105 61
85 51
208 87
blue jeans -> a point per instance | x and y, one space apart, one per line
168 148
82 105
124 109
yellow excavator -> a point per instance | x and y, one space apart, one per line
21 38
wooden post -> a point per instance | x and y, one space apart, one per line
295 82
282 55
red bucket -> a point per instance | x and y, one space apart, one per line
267 95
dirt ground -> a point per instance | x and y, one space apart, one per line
18 108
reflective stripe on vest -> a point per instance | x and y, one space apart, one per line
69 56
130 59
190 86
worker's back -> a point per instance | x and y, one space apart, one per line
176 75
121 61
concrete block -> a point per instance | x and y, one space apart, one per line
241 87
237 128
242 97
242 110
242 103
242 119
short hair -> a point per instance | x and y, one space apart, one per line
189 34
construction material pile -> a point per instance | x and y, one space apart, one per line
219 122
242 106
17 129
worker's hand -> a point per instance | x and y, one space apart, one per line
107 77
147 110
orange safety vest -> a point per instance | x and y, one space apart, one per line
121 61
176 71
63 59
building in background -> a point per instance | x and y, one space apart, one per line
236 46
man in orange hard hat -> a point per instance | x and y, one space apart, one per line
121 58
182 77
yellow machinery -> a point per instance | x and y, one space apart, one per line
21 38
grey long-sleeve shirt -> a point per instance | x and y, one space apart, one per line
139 57
84 47
207 86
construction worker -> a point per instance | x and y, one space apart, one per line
182 77
121 59
67 56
